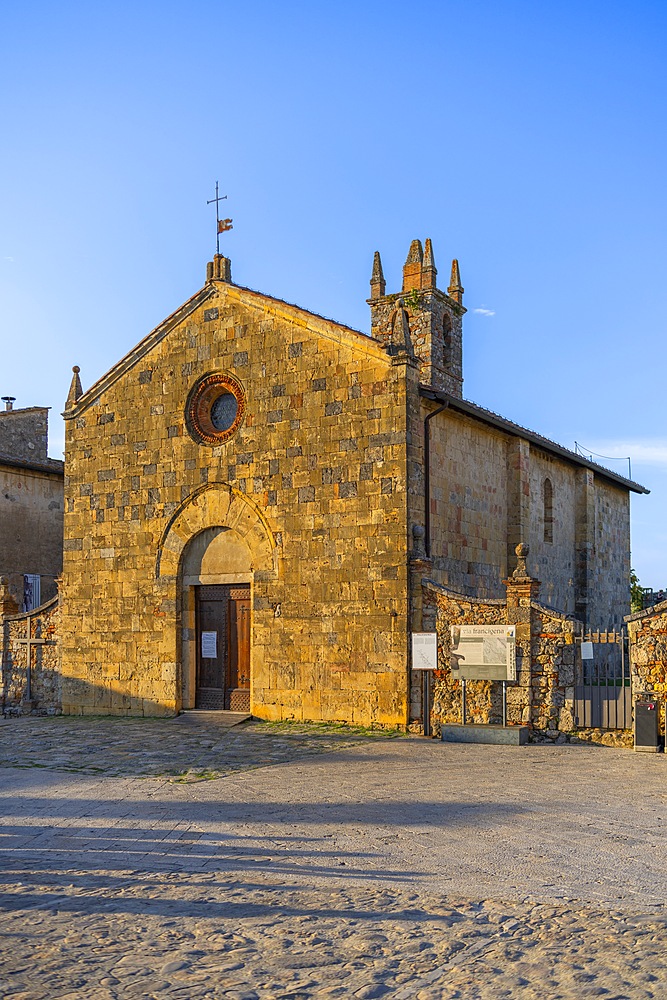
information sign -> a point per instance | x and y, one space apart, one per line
209 645
484 652
587 650
424 650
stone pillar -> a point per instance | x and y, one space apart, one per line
405 374
420 568
584 540
8 605
522 590
518 488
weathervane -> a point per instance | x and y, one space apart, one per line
221 225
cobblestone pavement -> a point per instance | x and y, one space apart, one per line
326 864
184 747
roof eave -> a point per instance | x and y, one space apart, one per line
509 427
52 466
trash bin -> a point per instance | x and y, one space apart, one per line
647 715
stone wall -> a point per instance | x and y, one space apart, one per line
41 693
609 585
553 553
469 505
488 495
31 526
24 433
648 654
311 490
543 695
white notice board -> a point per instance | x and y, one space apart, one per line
209 645
424 650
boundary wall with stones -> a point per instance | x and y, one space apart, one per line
543 695
648 654
31 676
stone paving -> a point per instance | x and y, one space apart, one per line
327 863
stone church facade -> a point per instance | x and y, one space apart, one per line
254 494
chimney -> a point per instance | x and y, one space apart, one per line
9 402
219 269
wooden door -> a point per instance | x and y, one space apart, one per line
212 643
238 663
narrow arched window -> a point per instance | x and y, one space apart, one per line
548 497
446 340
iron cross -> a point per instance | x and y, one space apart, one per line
221 225
29 642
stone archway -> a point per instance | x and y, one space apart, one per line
218 505
216 545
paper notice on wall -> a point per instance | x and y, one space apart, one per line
209 645
587 650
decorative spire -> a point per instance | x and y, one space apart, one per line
412 269
521 572
75 390
400 331
455 290
429 270
415 253
378 284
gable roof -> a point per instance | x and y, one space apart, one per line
53 466
501 423
328 328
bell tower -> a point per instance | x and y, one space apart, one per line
434 317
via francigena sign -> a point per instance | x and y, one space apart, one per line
484 652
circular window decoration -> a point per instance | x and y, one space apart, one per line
215 408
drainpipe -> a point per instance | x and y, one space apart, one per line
427 476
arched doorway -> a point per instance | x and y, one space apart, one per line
219 539
216 579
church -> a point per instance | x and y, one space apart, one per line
254 495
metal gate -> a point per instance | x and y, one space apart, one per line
602 692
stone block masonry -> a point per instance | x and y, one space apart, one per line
543 695
251 455
312 488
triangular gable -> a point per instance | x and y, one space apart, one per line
318 325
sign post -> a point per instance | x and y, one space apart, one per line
425 658
483 653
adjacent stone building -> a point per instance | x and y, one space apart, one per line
31 505
255 494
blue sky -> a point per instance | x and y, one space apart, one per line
525 139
